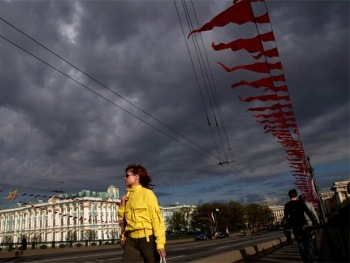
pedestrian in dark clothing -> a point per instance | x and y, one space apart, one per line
24 245
294 215
287 232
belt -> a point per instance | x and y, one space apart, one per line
141 233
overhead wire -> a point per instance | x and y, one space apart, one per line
206 75
108 100
214 89
208 79
197 79
104 86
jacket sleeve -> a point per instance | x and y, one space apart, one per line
121 211
156 220
312 210
309 214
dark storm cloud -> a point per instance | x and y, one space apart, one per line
53 128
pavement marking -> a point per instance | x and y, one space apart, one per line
72 257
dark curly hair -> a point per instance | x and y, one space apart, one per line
145 179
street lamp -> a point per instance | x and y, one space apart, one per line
216 221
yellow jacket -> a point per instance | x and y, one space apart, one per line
142 215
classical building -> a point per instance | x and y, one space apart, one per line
83 216
332 200
79 217
278 213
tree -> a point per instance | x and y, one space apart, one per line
257 215
90 234
236 214
178 223
71 236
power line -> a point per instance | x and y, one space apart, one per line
209 83
108 100
103 85
205 76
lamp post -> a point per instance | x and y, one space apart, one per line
316 189
216 221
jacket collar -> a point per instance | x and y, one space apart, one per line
134 188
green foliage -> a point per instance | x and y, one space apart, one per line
43 246
93 244
79 244
258 215
227 215
178 222
231 215
62 246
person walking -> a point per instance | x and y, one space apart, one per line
287 232
23 245
142 222
311 208
294 211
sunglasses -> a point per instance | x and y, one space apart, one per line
127 175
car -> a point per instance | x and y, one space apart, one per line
202 237
222 235
255 232
243 233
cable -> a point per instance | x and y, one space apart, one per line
108 100
214 89
209 81
103 85
218 106
171 137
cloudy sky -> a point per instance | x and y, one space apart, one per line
88 87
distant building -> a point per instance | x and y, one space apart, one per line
332 200
83 216
278 213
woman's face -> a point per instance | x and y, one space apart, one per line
131 179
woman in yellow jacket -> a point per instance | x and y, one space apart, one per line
143 230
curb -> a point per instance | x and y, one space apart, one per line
249 253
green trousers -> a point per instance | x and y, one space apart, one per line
137 248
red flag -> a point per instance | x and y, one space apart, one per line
211 217
282 88
274 114
273 52
251 44
265 98
282 126
260 67
236 1
262 19
279 120
264 82
273 107
239 13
